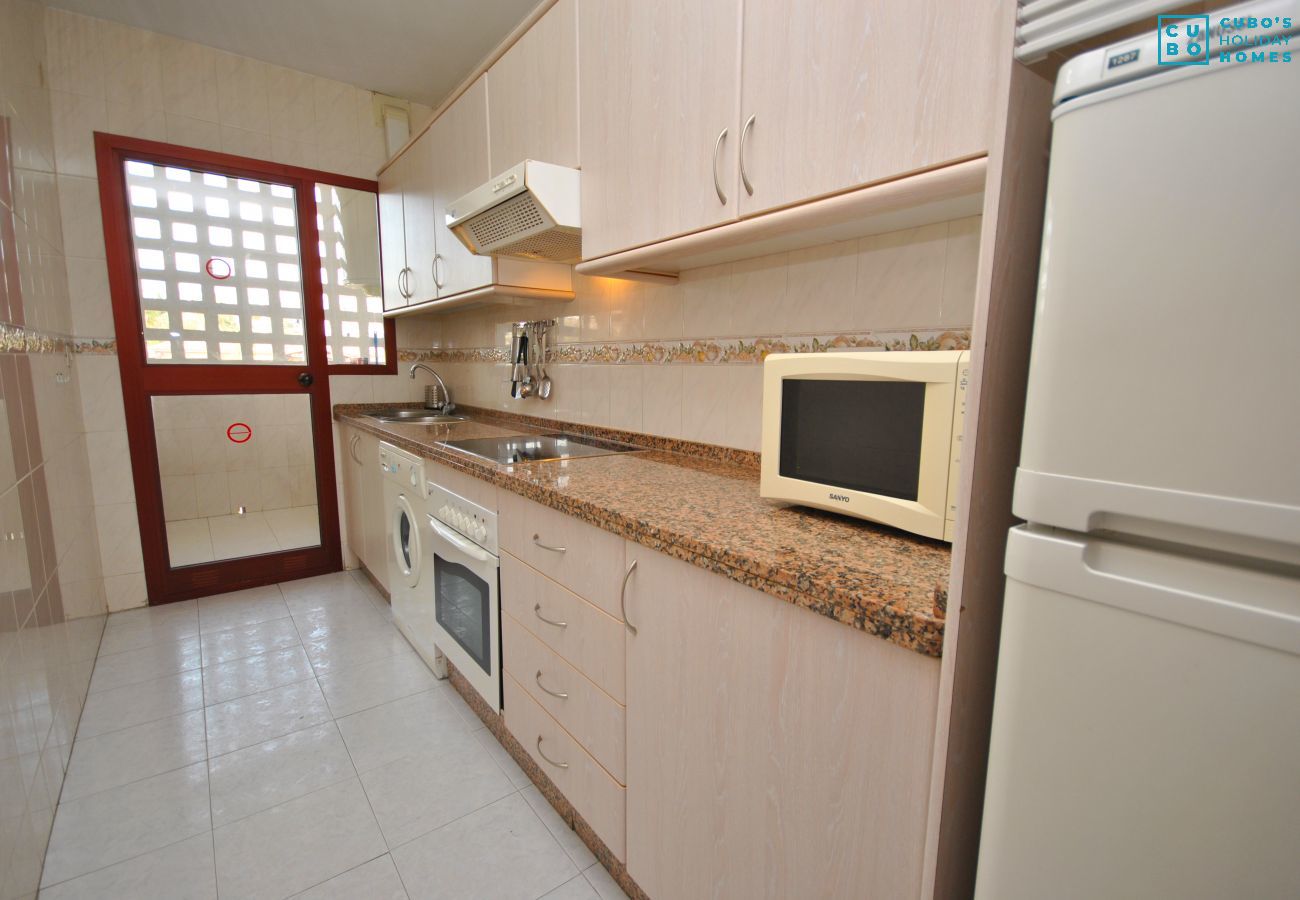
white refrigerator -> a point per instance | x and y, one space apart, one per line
1146 727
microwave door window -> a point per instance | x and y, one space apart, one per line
860 435
461 601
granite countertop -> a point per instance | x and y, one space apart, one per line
708 512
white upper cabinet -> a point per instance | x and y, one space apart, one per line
459 141
533 94
406 233
421 235
840 93
658 96
815 97
392 235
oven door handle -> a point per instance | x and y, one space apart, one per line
469 549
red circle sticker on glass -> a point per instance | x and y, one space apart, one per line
239 432
219 268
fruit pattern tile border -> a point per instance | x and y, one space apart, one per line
716 351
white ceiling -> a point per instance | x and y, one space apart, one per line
414 49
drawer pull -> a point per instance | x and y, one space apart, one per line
542 754
622 598
537 611
560 694
538 542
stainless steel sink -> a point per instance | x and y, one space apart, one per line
415 416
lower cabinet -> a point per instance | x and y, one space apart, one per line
771 751
363 499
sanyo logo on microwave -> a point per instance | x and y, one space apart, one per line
839 498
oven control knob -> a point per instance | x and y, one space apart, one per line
444 512
480 533
415 479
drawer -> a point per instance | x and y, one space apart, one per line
476 490
585 559
590 640
593 717
599 799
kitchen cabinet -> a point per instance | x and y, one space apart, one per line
771 752
658 92
363 498
847 92
406 227
459 152
814 99
533 94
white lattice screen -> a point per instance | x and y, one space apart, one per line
218 265
349 250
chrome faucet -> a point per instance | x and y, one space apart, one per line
446 406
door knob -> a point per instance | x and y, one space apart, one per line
305 379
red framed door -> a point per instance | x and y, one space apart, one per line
215 271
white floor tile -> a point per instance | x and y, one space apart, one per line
246 535
504 761
501 852
251 720
375 880
241 609
565 836
255 778
578 888
145 633
182 871
188 542
250 640
124 822
407 727
121 757
297 526
419 793
177 615
323 591
604 884
296 845
346 649
254 674
370 684
145 664
135 704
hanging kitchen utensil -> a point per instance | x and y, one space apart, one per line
519 375
544 387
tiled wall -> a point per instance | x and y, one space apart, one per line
108 77
49 558
684 360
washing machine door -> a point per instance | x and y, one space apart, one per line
404 553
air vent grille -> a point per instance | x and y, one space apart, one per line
507 222
553 245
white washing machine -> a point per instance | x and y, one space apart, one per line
405 491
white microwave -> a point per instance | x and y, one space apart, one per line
875 435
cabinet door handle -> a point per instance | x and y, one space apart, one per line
352 449
744 134
537 611
538 542
622 598
717 180
403 282
560 694
542 754
437 271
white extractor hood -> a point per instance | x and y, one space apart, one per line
530 211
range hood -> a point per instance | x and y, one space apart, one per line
530 211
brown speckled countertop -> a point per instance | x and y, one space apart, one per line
708 512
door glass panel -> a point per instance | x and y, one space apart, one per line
218 265
352 296
238 475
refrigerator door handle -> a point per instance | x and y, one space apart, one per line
1246 604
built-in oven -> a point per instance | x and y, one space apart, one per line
466 620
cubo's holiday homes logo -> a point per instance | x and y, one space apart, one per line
1195 41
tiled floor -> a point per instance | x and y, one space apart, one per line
286 741
199 540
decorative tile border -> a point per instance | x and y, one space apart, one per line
20 339
719 351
